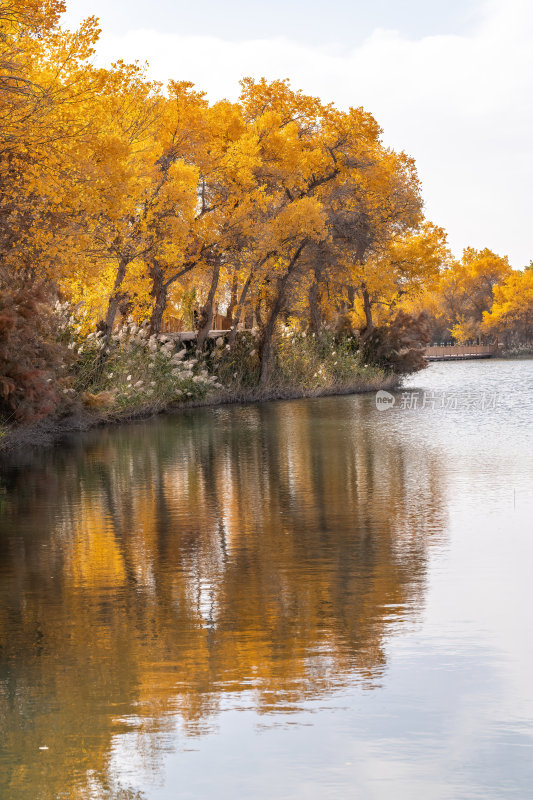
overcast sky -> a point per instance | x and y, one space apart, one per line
450 83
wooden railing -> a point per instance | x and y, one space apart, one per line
439 352
175 325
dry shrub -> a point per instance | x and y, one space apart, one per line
30 358
400 345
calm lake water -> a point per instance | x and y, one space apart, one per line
307 599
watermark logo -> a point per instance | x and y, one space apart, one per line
442 401
384 400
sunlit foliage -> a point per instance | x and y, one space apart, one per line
127 197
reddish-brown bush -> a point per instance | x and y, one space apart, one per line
400 345
30 358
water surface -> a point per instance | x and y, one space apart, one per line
305 599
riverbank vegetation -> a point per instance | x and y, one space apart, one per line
131 211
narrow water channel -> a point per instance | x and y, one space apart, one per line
306 599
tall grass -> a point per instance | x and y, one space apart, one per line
302 363
134 370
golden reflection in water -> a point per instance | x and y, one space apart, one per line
149 571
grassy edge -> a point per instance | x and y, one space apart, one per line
50 430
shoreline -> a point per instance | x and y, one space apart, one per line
49 431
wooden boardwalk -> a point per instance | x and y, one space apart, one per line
457 352
188 336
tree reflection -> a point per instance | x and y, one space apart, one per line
258 553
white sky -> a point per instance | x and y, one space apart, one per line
450 83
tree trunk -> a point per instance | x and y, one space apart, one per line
159 292
239 307
156 319
257 312
115 300
314 308
206 318
367 306
270 327
233 298
268 333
